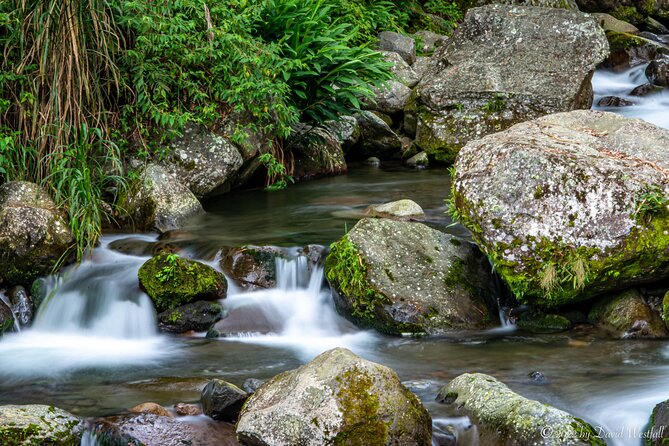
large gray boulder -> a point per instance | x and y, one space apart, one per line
203 161
376 138
505 418
626 315
158 201
401 277
570 205
222 401
401 70
338 398
36 424
504 65
405 46
34 234
347 131
390 98
317 152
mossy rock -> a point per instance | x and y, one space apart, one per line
540 322
505 418
626 315
195 316
337 399
38 425
172 281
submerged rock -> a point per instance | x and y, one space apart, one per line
338 398
627 316
501 66
222 401
252 267
505 418
152 408
397 210
204 162
36 424
401 277
195 316
34 235
317 153
171 281
159 201
570 205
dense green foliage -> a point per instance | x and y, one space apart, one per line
85 84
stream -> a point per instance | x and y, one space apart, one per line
93 349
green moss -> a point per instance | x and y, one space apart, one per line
665 309
587 433
538 322
538 192
455 275
174 282
627 14
623 41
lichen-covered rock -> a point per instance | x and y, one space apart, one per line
172 281
627 316
659 425
317 153
397 210
390 98
504 65
34 234
222 401
564 4
376 138
347 131
403 45
570 205
401 277
6 319
158 201
35 424
428 41
505 418
419 160
204 162
252 267
400 69
338 398
195 316
657 72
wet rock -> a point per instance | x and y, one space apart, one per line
35 424
338 398
419 160
196 316
561 204
501 66
153 430
657 72
396 210
34 234
246 320
250 385
629 50
400 44
505 418
204 162
6 319
315 255
170 387
428 41
252 267
540 322
390 98
659 425
317 153
610 23
158 201
664 312
376 138
401 277
400 69
172 281
645 90
373 161
151 408
22 305
627 316
614 101
347 131
222 401
185 409
538 378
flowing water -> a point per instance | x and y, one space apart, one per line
93 348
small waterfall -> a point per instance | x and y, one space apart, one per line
298 313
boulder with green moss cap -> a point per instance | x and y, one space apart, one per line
505 418
568 206
36 424
172 281
401 277
338 399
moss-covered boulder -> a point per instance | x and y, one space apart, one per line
504 65
540 322
339 399
317 152
629 50
34 234
401 277
570 205
658 428
627 316
38 425
505 418
195 316
172 281
252 267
